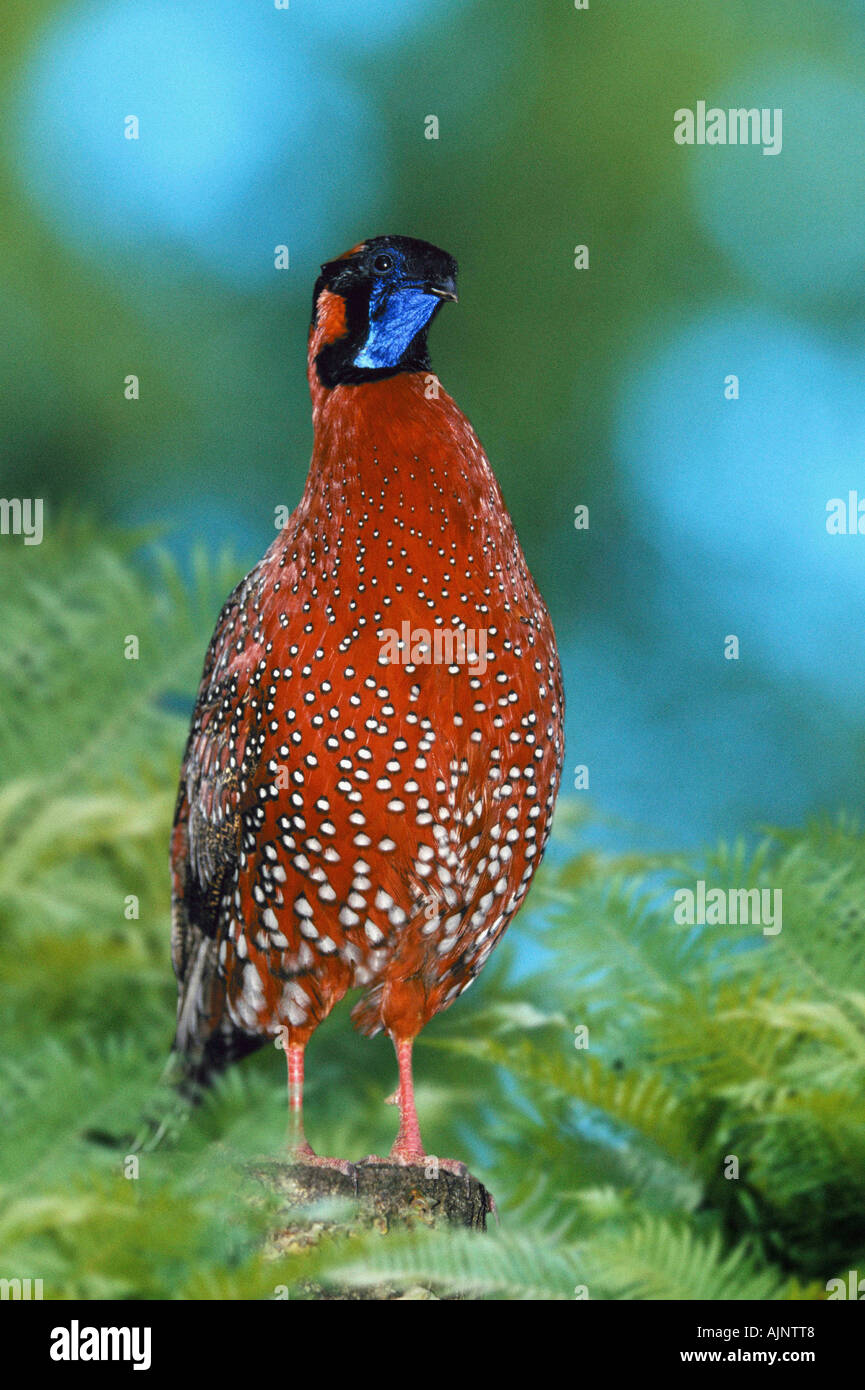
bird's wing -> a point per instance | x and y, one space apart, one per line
218 765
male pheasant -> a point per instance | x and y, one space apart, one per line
376 748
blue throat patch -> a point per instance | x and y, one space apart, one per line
394 320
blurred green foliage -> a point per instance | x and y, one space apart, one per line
556 129
607 1163
600 387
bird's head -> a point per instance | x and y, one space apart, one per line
373 306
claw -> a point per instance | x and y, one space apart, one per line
306 1157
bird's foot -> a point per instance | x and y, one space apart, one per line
304 1153
301 1151
403 1158
416 1158
451 1165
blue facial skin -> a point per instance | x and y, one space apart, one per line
397 312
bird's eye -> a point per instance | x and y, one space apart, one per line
383 263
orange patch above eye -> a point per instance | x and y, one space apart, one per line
361 246
330 320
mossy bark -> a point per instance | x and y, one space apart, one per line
379 1197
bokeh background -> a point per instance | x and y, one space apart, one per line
306 126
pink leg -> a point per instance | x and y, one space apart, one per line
407 1147
297 1143
298 1146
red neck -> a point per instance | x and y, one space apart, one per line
376 435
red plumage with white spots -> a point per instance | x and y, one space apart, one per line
377 743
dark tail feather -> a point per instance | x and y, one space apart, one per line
195 1071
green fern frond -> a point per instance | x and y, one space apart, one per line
658 1259
610 1164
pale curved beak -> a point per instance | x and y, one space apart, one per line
446 289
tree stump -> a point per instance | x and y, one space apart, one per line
379 1197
